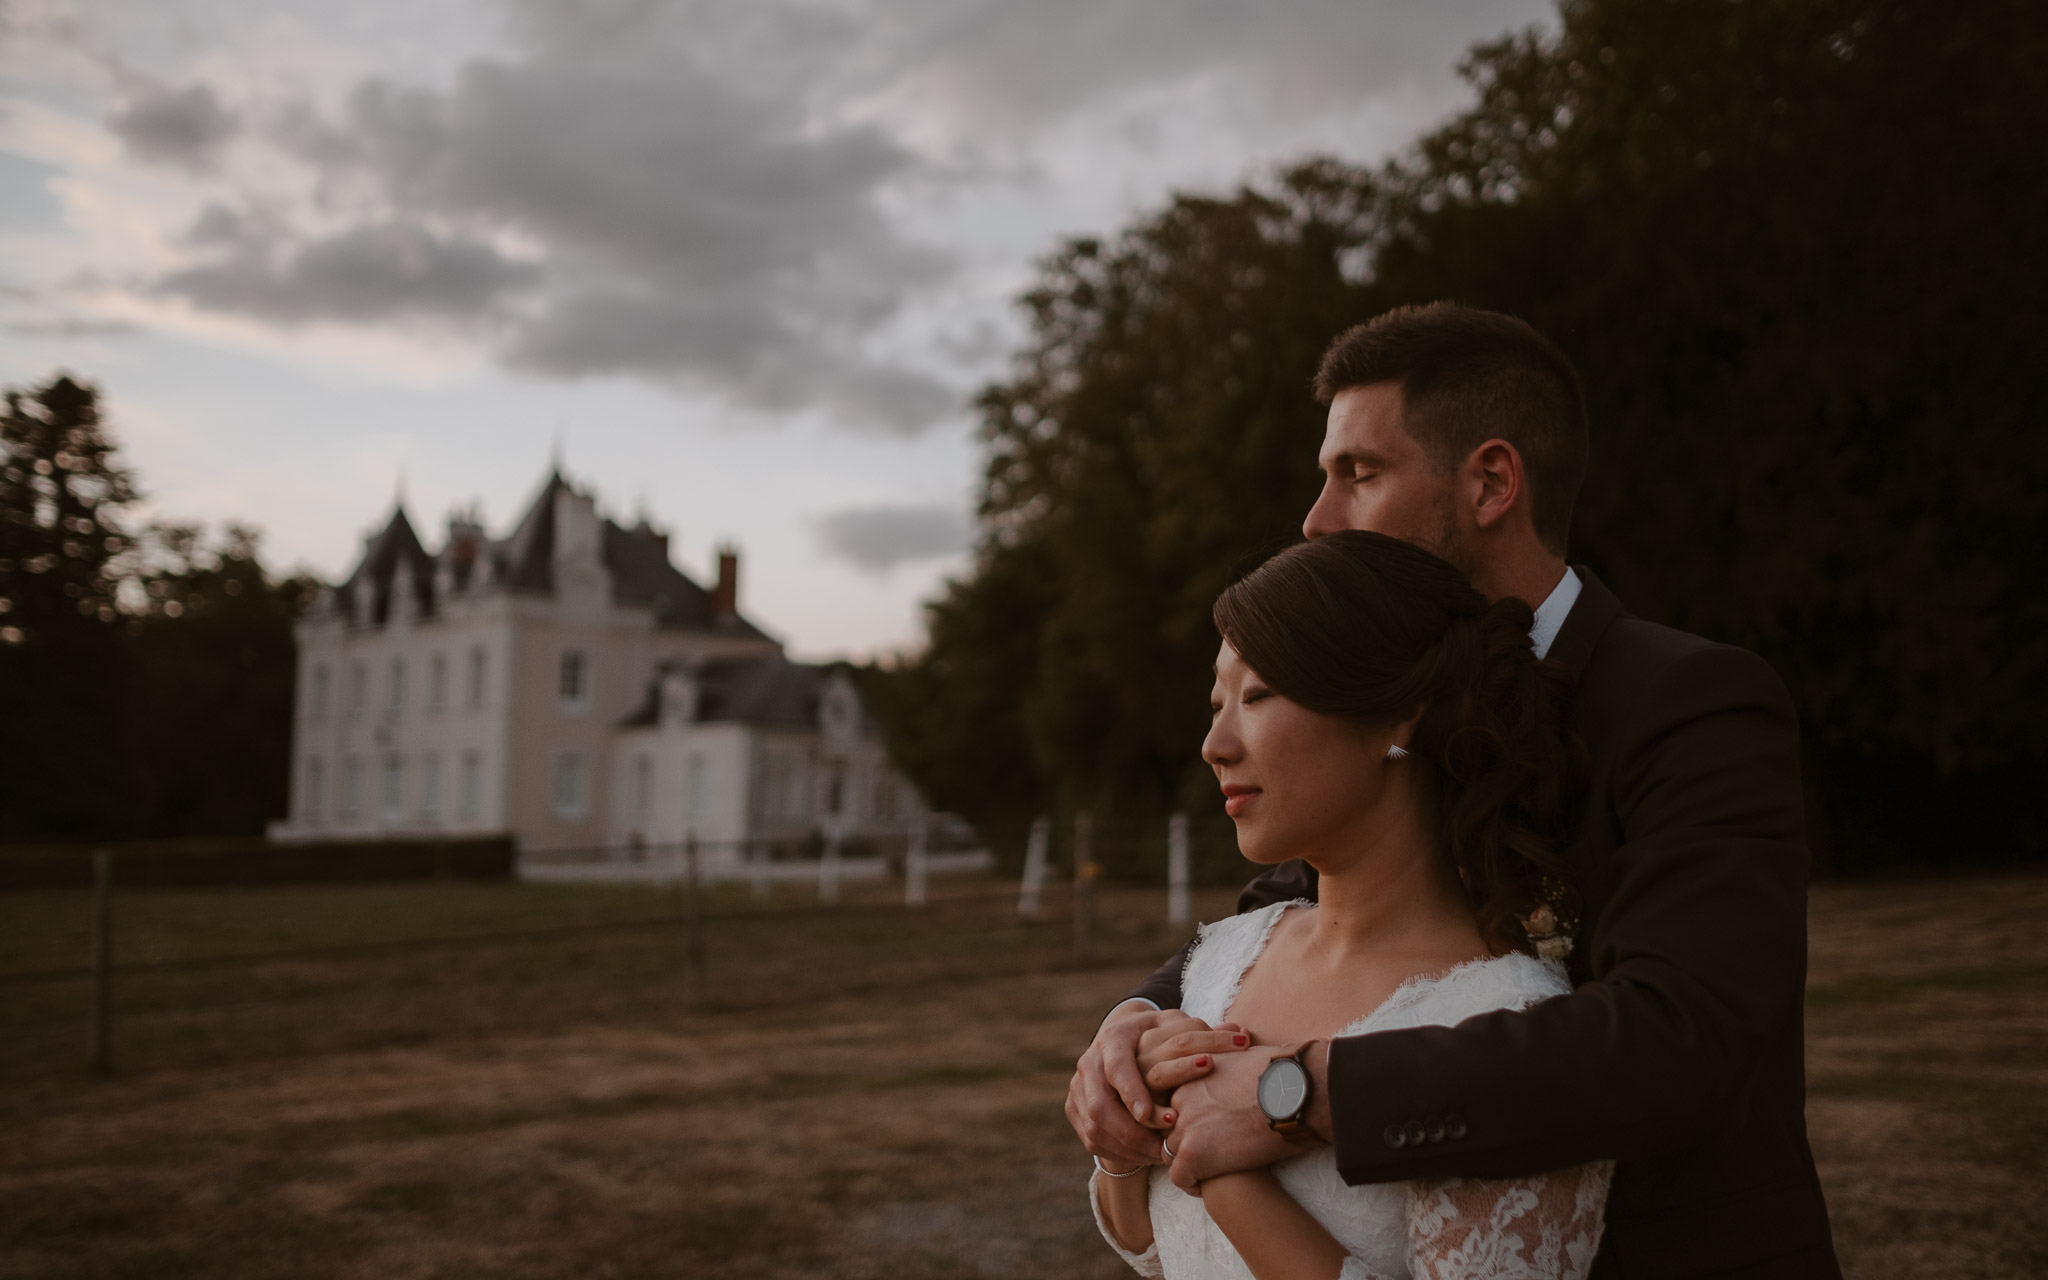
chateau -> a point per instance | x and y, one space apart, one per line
569 686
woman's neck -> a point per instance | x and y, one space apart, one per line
1392 891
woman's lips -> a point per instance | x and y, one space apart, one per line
1236 798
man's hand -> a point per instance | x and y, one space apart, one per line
1108 1102
1218 1127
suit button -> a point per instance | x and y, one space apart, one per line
1436 1128
1396 1137
1454 1126
1417 1135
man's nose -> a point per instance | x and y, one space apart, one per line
1322 518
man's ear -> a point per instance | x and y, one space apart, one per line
1493 482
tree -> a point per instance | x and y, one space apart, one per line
1792 246
62 761
145 683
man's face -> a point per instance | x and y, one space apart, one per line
1377 478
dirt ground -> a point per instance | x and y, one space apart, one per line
855 1093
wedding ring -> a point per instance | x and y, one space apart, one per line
1168 1150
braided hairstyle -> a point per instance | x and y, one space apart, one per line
1369 628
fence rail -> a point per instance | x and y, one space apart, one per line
690 866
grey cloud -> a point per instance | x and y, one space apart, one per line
367 273
700 189
877 539
184 127
71 328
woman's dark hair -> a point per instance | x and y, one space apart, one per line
1370 628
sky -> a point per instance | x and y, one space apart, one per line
739 265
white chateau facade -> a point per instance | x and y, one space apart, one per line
568 686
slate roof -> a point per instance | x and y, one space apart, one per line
637 560
394 544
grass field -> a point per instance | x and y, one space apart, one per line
858 1092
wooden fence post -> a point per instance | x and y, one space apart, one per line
693 917
1085 872
828 866
913 863
101 1033
1177 871
1034 867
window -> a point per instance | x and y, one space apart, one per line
437 683
352 787
396 702
693 790
317 699
643 789
358 689
394 788
478 659
885 799
569 785
430 784
316 789
575 678
472 782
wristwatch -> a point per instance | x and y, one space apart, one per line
1285 1090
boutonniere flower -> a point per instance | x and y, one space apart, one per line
1549 934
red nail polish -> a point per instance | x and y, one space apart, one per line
1202 1061
1167 1116
1240 1041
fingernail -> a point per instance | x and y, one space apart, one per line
1202 1060
1167 1116
1240 1041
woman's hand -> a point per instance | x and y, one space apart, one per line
1182 1048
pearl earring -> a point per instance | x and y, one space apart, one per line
1397 752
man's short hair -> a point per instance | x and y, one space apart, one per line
1468 376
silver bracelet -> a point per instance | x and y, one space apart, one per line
1128 1173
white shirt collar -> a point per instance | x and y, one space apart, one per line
1550 615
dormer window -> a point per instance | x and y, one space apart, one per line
575 679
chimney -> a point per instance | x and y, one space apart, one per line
725 597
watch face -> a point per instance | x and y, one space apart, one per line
1282 1089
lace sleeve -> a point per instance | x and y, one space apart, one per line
1146 1263
1545 1227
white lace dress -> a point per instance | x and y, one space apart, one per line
1537 1228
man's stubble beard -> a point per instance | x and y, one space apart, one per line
1447 541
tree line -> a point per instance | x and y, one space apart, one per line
1792 245
146 674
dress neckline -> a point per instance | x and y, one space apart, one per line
1405 992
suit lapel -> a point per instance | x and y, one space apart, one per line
1592 613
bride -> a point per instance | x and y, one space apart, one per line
1374 716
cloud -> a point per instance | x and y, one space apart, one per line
371 272
71 328
185 127
754 198
877 539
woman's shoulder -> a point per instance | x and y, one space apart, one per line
1486 985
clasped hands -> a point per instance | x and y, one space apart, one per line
1160 1087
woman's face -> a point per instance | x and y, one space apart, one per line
1298 784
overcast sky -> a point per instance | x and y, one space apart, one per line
741 262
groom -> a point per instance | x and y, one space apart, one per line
1679 1054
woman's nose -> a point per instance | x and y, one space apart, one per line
1220 747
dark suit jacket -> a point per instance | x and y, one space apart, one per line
1680 1051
